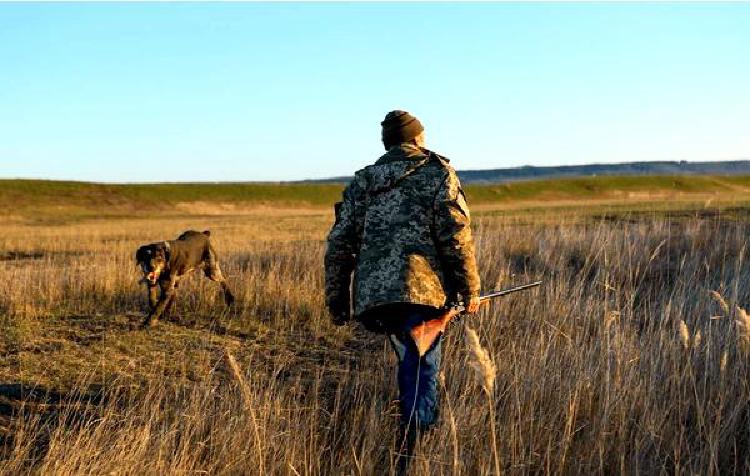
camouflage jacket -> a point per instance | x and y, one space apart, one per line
403 229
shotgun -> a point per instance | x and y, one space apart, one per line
425 333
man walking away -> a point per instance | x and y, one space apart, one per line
403 230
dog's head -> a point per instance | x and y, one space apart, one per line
153 261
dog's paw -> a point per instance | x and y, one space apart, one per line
174 318
149 322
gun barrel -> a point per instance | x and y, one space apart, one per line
503 292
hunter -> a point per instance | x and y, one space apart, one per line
403 230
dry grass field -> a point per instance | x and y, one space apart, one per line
632 358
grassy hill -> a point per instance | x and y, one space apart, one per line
24 197
651 168
612 187
41 192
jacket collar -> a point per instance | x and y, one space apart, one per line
405 151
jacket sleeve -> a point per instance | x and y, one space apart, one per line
453 238
341 251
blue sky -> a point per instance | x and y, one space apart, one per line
255 91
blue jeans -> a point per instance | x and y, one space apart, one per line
417 377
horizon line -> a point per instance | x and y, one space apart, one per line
345 178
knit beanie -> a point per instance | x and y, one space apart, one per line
398 127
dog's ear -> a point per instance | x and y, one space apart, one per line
207 232
142 254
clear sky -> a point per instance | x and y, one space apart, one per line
256 91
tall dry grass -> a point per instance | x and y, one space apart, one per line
632 358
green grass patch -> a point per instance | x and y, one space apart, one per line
87 199
43 192
604 187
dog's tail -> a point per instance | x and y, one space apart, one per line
207 232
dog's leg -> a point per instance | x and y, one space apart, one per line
170 304
167 293
228 296
213 272
153 297
217 276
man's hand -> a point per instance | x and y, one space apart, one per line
339 309
340 312
340 318
472 307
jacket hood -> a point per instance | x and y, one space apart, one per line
398 163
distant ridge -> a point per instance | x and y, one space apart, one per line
734 167
489 176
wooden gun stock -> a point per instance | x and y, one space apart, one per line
425 333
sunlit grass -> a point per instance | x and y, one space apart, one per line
630 358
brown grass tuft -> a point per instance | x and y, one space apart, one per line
743 328
481 362
684 334
722 302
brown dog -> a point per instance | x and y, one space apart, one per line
164 263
